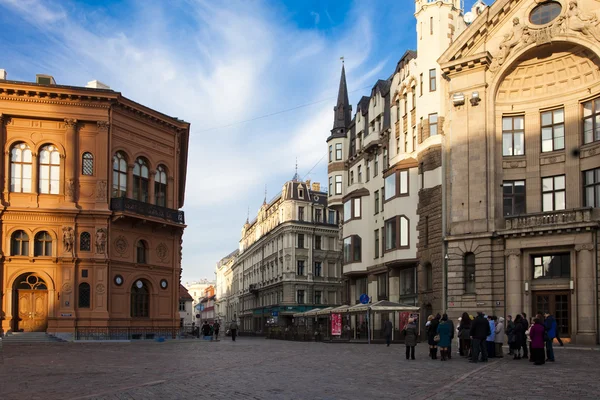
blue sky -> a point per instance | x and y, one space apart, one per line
213 64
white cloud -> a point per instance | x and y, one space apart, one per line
316 17
225 64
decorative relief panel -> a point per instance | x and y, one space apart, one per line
162 251
101 188
514 164
121 244
552 160
589 152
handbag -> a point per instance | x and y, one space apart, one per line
436 338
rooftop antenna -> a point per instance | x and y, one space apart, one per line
342 58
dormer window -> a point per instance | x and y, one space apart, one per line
300 193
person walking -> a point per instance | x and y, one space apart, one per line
233 328
550 326
491 346
387 331
410 338
432 335
525 329
216 327
519 337
205 330
536 333
499 339
444 331
510 335
480 330
464 335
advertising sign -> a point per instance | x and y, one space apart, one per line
404 316
336 324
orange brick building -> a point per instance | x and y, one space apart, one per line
91 228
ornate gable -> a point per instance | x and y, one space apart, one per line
508 26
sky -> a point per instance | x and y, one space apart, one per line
256 79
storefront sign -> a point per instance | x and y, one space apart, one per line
336 324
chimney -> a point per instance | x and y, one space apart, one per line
3 74
316 187
97 85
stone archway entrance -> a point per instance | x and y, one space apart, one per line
30 303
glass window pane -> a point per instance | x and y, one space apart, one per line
44 172
547 145
404 182
587 108
27 170
507 124
55 158
508 205
347 210
519 187
597 130
546 133
507 187
589 177
596 202
519 144
518 123
559 182
404 231
559 116
589 196
547 118
357 207
559 131
390 186
547 202
588 131
507 144
44 157
547 184
559 201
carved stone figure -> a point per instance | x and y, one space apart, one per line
101 241
101 190
70 189
510 40
580 21
68 239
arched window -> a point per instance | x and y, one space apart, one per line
85 241
140 180
20 168
119 186
160 187
140 299
42 245
49 180
84 295
141 252
87 164
469 277
19 244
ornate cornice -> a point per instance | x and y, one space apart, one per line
477 60
102 126
512 252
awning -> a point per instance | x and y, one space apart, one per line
382 305
307 313
324 311
339 310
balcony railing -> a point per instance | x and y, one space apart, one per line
548 219
253 288
146 209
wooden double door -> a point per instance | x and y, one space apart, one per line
558 304
33 310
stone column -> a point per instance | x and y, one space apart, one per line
5 165
584 290
151 180
130 181
514 282
71 158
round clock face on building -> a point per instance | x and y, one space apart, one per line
164 284
118 280
139 284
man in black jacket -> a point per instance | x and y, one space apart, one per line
480 330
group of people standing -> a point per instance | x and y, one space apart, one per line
482 337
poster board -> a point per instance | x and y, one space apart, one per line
336 324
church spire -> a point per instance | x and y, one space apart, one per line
342 110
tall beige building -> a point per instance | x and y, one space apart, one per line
523 163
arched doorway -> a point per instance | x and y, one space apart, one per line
30 304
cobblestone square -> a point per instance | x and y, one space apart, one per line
254 368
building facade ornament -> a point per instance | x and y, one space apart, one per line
121 244
574 20
101 187
70 189
101 241
162 251
512 252
102 126
100 288
68 238
585 246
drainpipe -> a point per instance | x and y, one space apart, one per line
597 283
444 203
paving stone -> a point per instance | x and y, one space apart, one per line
254 368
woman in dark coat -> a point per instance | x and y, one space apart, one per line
444 329
431 333
410 338
519 337
464 334
536 333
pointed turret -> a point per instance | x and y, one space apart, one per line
342 110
